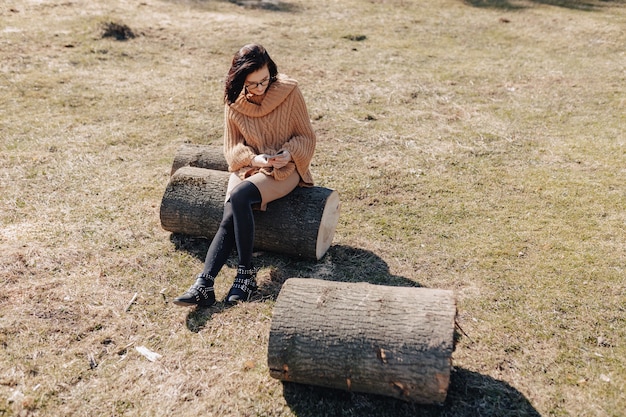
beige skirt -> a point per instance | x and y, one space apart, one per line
270 188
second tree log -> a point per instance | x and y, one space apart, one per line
394 341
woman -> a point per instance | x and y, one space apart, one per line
268 144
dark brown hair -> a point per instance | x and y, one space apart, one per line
247 60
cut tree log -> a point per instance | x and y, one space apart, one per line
200 156
301 224
393 341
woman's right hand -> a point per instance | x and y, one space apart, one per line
281 159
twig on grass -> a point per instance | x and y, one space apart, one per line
456 323
132 301
92 361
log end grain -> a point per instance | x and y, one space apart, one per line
328 224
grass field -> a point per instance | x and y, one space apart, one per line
477 146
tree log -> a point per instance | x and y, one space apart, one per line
393 341
300 224
200 156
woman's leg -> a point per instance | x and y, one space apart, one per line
236 228
243 197
258 188
201 292
222 244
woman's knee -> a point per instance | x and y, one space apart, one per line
245 193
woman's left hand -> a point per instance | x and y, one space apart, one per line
281 159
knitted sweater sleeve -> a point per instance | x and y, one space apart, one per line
301 145
236 152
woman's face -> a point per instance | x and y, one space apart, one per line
256 82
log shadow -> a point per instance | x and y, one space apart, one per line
195 246
271 5
469 394
340 263
198 317
583 5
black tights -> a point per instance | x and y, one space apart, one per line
236 228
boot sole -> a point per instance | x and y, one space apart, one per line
189 304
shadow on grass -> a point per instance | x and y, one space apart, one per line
586 5
199 316
469 394
271 5
341 263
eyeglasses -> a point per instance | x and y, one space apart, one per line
261 83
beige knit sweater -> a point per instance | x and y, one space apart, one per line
278 120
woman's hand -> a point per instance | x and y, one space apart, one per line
277 161
281 159
261 161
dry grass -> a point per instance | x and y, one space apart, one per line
478 146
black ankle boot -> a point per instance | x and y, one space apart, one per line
199 294
243 287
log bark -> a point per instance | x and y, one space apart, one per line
301 224
393 341
200 156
